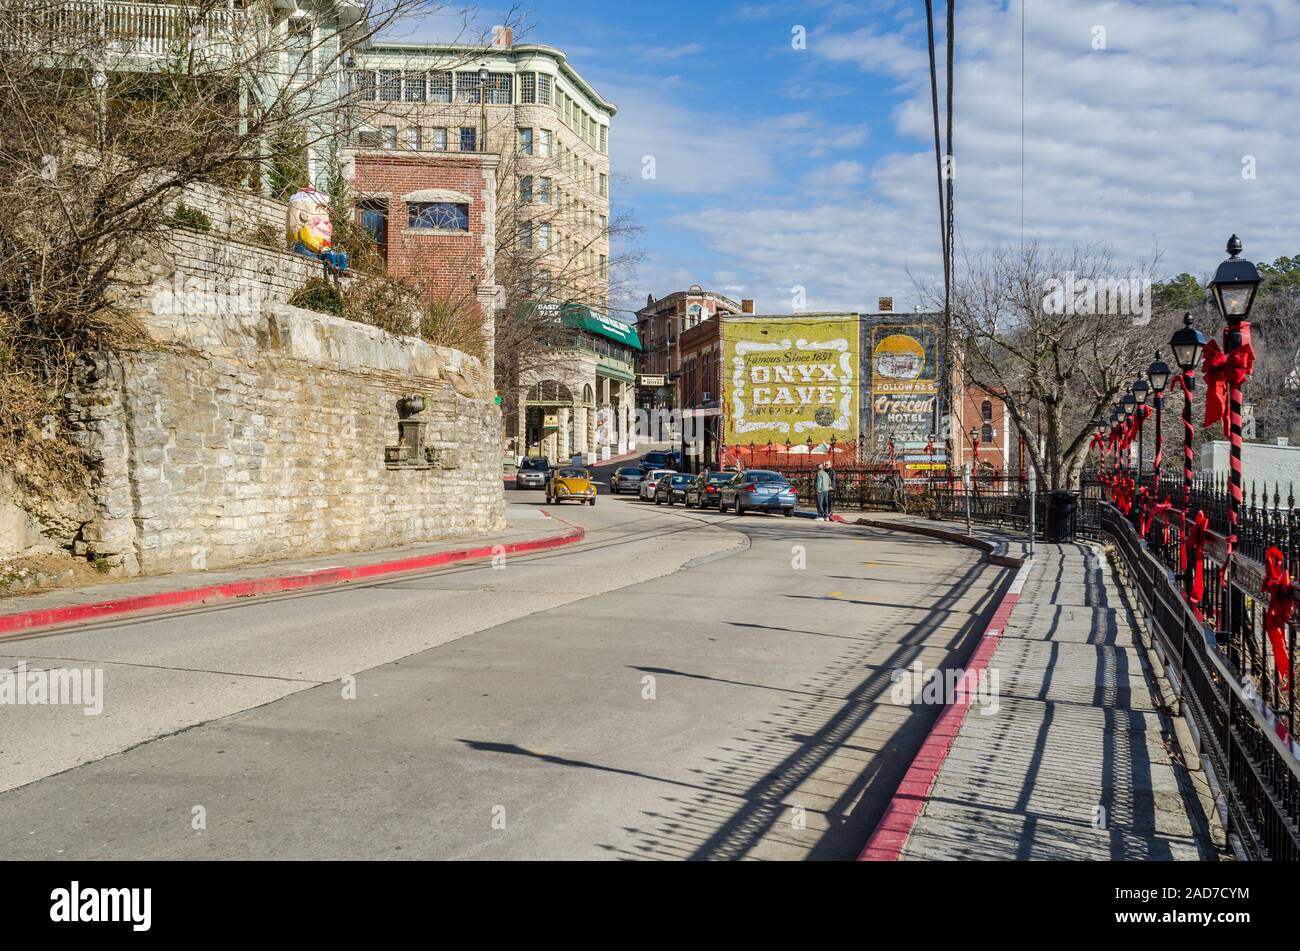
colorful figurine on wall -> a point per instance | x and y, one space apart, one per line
308 229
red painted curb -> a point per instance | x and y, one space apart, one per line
890 836
33 620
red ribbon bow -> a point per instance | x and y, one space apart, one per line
1197 536
1281 603
1223 373
1150 514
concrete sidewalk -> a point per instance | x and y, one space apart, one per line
525 525
1077 761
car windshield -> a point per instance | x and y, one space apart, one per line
761 475
660 473
719 476
680 480
573 473
656 458
535 464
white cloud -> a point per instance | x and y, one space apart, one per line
1138 146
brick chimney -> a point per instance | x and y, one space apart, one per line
502 37
746 306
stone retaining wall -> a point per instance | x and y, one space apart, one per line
233 438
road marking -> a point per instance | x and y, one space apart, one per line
835 594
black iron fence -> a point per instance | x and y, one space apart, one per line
1206 614
856 487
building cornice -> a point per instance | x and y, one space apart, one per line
513 52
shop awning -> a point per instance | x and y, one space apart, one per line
584 318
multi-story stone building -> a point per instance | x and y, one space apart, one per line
550 129
528 105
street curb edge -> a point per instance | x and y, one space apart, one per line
28 621
908 803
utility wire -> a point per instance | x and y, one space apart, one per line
946 218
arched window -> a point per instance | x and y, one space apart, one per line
986 411
588 396
550 391
986 433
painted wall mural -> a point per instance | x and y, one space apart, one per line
791 379
901 393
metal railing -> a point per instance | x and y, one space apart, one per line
1215 651
150 30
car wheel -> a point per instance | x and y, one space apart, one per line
789 512
591 502
740 506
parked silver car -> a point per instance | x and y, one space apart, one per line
650 481
758 490
625 479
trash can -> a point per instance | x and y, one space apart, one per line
1061 521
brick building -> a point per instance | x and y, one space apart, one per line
663 326
984 413
433 217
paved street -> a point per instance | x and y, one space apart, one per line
679 685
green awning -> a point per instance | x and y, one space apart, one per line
584 318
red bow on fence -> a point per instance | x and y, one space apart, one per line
1144 522
1197 535
1222 373
1281 602
1159 510
1124 489
1097 443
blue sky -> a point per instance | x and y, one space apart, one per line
779 168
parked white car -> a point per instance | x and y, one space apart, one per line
647 490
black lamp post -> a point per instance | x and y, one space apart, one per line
1158 374
483 77
1128 405
1187 344
1234 287
1141 392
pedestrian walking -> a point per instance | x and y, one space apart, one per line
823 486
830 496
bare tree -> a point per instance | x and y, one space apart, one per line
109 115
1058 335
550 249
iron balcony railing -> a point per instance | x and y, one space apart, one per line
123 29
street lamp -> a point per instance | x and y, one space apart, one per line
1187 344
1128 405
1234 287
1158 373
1141 391
483 77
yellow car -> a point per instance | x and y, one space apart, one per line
571 485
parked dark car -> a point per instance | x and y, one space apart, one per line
534 472
706 489
672 488
757 490
658 459
625 479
